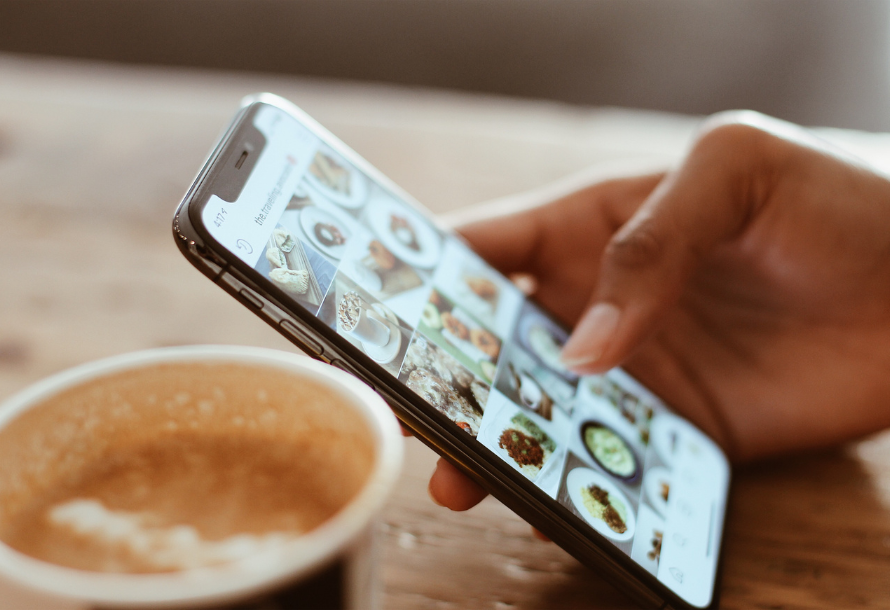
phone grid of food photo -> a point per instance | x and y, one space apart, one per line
463 338
456 333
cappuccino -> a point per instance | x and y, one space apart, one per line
177 466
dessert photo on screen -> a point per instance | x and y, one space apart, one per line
475 287
459 334
295 267
333 178
367 323
372 266
405 232
446 384
315 219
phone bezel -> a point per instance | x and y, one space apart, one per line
431 427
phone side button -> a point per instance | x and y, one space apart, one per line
289 328
250 299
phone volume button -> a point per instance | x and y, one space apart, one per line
307 343
250 299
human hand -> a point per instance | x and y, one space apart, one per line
749 288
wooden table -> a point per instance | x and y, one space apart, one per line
93 160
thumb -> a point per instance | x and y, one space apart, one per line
646 265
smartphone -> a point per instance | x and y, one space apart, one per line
337 258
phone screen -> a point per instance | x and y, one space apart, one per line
417 301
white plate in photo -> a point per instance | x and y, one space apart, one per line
337 180
504 421
481 306
406 233
545 340
466 345
326 232
468 349
385 354
653 485
583 478
362 275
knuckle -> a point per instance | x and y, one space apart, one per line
637 249
744 137
733 132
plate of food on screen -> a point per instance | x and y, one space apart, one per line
443 382
405 232
337 180
635 409
478 292
290 268
601 503
326 231
610 451
528 391
461 329
544 339
372 324
464 333
377 270
523 443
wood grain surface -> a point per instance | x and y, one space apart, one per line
93 160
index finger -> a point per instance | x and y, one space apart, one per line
511 232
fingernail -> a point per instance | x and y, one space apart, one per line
591 336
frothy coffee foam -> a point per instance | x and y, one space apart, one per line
177 466
177 547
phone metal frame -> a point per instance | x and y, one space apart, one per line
435 430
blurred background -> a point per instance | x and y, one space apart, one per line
816 62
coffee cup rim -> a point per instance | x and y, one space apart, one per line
251 576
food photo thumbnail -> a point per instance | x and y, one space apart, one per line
531 385
543 338
328 227
446 384
405 232
296 268
476 288
376 269
649 539
601 503
615 390
605 502
332 177
521 442
602 479
367 323
458 333
657 484
610 450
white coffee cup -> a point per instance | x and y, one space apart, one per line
372 328
340 553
